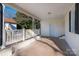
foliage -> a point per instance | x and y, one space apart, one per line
37 24
26 24
23 21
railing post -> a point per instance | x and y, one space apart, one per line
23 34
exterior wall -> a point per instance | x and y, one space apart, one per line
57 27
54 27
44 28
71 37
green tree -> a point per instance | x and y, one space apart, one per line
37 24
23 21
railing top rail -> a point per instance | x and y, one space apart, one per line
13 30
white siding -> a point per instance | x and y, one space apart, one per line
57 27
54 27
44 28
71 38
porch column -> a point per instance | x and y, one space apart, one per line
33 27
3 33
4 40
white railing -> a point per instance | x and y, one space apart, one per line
31 33
13 36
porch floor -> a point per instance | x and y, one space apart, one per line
43 47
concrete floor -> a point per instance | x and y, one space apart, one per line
43 47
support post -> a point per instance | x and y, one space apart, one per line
33 27
3 32
3 41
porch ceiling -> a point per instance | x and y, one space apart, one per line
46 11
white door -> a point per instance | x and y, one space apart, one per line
53 30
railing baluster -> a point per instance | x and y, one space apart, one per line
23 34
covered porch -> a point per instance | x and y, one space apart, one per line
46 39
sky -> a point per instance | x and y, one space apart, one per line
9 12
